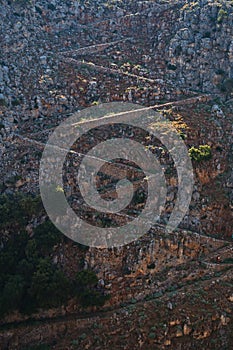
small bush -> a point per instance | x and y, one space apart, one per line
152 335
203 152
220 71
171 66
49 287
47 236
221 15
85 290
3 102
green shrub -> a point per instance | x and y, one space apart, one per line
11 294
85 289
171 66
18 209
221 15
16 102
152 335
47 236
49 287
203 152
3 102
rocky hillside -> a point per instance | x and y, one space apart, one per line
59 58
167 290
185 46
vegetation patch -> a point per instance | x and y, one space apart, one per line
29 279
201 153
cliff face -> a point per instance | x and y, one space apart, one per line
60 57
